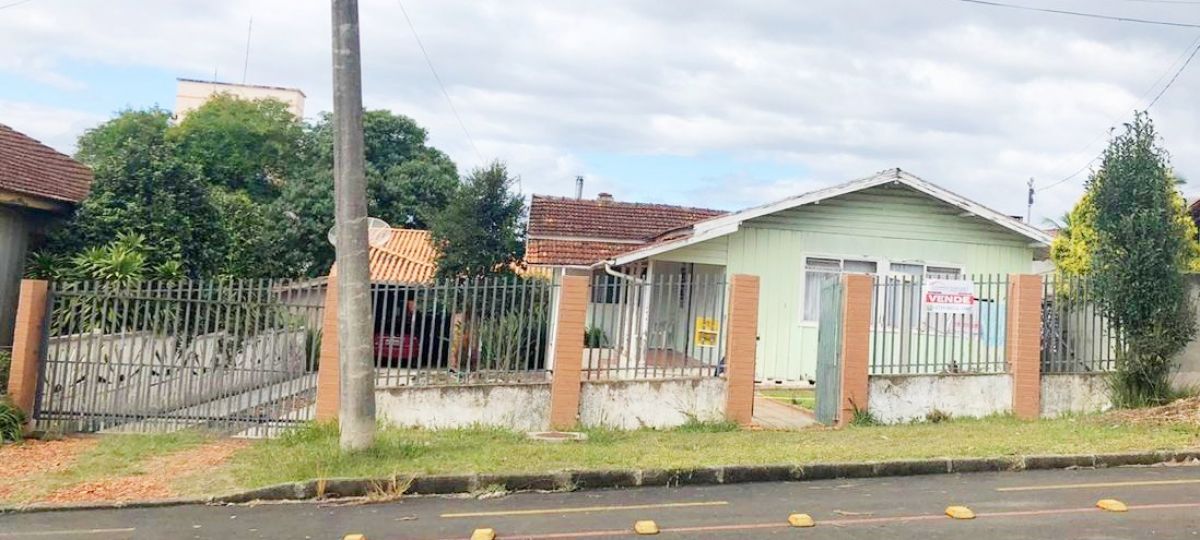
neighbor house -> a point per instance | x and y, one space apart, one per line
37 186
891 223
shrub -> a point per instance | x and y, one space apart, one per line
11 420
5 367
594 337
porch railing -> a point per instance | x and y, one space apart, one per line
664 326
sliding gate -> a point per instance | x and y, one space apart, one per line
237 356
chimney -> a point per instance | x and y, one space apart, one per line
578 187
604 198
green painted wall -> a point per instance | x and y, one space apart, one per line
889 224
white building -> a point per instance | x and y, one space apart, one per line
190 94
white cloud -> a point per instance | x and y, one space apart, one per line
57 128
974 98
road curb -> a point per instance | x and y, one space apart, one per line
333 488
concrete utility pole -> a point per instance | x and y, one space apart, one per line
357 410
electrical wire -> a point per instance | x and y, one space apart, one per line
437 78
14 4
1081 14
1195 48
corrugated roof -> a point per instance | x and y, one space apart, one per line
408 257
29 167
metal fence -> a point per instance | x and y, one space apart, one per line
1076 335
907 339
462 331
238 356
669 326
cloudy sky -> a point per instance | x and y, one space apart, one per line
716 104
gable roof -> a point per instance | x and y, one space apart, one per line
729 223
28 167
565 231
408 257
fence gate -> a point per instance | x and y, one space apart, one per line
829 353
237 356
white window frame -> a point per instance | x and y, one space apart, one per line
883 267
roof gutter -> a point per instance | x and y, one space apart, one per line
608 269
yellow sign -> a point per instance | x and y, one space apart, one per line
707 330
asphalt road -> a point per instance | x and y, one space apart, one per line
1164 502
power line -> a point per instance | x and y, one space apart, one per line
1195 48
437 78
1174 77
1166 1
15 4
1081 14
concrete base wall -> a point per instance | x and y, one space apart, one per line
1187 362
904 398
651 403
1064 393
521 407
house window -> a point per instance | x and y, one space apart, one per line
819 271
902 295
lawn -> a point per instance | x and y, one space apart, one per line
125 467
312 452
801 397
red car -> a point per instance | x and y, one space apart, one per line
402 347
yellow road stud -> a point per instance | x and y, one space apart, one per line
355 537
1111 505
645 527
960 512
484 534
801 520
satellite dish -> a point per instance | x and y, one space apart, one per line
378 233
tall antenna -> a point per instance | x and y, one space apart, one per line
246 62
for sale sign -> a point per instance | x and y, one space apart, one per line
956 296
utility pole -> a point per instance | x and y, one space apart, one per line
356 413
1029 203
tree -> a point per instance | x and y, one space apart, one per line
479 232
249 145
1144 243
141 188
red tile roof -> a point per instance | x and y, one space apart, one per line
564 231
408 257
609 220
572 252
29 167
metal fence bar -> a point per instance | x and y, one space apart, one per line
905 338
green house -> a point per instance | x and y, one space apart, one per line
891 223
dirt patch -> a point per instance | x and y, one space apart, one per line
25 462
159 479
1181 411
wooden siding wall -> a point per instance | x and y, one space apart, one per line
892 222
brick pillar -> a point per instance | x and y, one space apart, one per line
568 352
329 377
27 344
1023 344
742 348
856 335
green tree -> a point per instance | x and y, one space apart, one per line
141 188
479 232
250 145
1142 249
